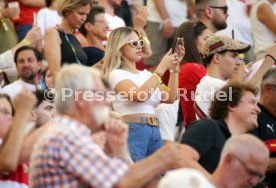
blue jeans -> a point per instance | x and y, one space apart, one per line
143 140
22 30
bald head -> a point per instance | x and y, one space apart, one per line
202 4
213 13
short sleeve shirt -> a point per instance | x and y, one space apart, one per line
207 137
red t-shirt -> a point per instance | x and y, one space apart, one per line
26 14
18 177
189 76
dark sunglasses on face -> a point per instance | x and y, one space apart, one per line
224 8
136 43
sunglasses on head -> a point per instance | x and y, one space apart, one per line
136 43
224 8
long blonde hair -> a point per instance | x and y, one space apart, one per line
113 55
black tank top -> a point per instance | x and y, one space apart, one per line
69 44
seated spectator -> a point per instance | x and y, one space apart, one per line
61 45
7 58
267 121
138 92
95 28
81 162
13 129
28 62
95 31
44 109
220 56
204 139
243 162
46 79
184 177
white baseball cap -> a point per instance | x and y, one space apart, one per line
184 178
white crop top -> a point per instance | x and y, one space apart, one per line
122 104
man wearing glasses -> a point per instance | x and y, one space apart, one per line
267 121
213 13
243 162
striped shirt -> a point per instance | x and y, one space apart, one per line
66 156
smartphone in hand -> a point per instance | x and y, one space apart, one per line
176 44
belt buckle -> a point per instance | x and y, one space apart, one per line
153 121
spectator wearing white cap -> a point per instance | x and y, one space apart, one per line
185 177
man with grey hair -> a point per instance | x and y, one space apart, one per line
67 156
213 13
267 121
243 162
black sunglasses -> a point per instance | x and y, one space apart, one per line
224 9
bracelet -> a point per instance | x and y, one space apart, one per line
160 81
158 74
273 58
174 71
158 77
26 42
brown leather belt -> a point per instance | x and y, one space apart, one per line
151 120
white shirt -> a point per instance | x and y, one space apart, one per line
263 37
47 18
6 60
126 106
14 88
114 22
177 10
239 21
167 117
205 92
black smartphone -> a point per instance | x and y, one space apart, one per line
176 43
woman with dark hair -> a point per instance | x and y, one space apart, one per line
192 70
61 45
46 79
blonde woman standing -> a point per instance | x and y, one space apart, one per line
138 92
